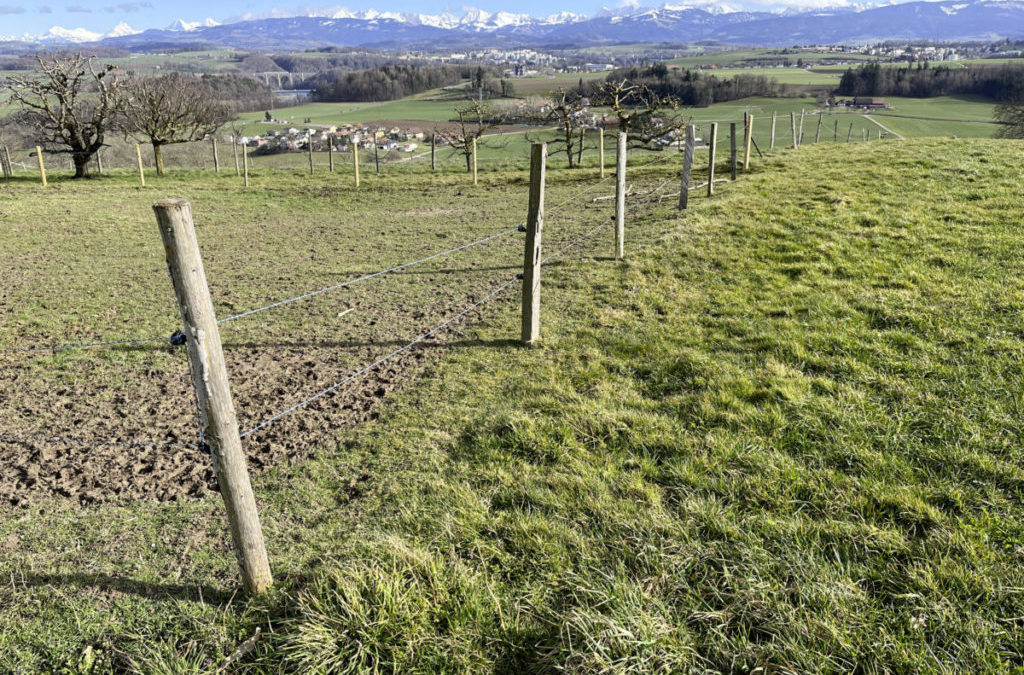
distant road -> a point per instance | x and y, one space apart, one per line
885 128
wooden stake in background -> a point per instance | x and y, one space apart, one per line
213 392
712 147
216 157
835 133
99 162
531 255
4 164
817 133
330 154
245 165
801 134
309 142
583 140
376 156
474 160
600 150
42 167
748 137
792 124
849 134
433 152
684 181
771 143
234 148
355 161
732 147
620 197
138 156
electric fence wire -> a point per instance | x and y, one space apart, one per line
383 359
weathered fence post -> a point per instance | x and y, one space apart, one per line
234 148
330 154
879 134
309 142
42 166
835 132
747 139
245 165
849 134
792 124
712 146
600 150
213 391
216 157
474 160
99 162
801 134
355 161
817 133
3 163
531 255
732 147
620 196
684 181
138 157
376 156
771 143
433 152
865 133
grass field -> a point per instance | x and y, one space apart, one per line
782 435
781 75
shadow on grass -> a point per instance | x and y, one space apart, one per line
195 592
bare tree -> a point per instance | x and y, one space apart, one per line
172 108
649 120
70 102
474 118
568 111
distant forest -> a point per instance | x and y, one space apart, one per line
390 83
1001 83
691 87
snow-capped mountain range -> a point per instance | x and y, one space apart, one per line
827 22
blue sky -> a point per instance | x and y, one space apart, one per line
18 17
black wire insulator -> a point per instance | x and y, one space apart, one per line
178 338
522 228
519 276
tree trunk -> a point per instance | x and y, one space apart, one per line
81 161
469 156
158 158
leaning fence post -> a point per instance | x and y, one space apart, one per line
849 134
712 146
684 181
531 255
213 391
771 144
748 138
245 165
42 167
355 161
732 146
138 157
792 124
600 150
474 160
801 134
216 157
620 196
817 133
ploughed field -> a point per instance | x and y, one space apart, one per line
784 435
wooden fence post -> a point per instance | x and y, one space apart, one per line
712 146
835 132
879 134
216 157
3 163
684 181
355 162
433 152
376 156
309 142
213 391
245 165
42 167
747 139
849 134
138 157
732 147
531 255
771 143
474 160
600 150
234 148
330 154
620 196
801 134
99 162
865 133
792 124
817 133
